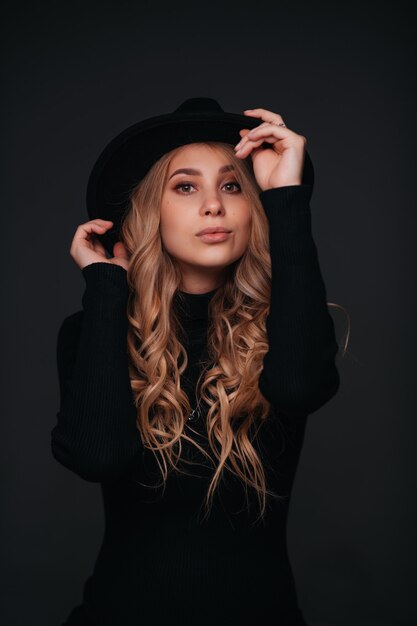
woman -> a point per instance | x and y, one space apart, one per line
187 378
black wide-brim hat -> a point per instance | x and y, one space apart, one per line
129 156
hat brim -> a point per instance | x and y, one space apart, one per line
128 157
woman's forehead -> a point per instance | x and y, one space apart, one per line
194 153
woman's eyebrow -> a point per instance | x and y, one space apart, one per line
190 170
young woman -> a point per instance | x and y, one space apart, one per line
186 380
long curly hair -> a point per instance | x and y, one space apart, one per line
237 339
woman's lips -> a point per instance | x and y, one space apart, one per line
214 237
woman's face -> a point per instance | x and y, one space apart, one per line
193 201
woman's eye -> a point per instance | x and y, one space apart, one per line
181 185
233 183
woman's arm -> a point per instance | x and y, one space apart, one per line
96 435
299 374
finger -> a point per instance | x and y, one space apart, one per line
281 132
242 134
86 232
120 251
271 133
99 221
92 230
246 145
96 225
246 148
248 134
246 131
268 133
264 114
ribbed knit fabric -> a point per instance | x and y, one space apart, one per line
160 563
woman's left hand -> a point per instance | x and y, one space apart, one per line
281 166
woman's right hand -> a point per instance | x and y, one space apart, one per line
86 248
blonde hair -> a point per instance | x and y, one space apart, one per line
237 339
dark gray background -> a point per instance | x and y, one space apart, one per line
342 74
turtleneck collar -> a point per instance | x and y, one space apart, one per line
193 306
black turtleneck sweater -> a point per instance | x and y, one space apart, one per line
160 563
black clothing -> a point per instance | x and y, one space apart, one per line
159 563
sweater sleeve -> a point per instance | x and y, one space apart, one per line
299 373
95 435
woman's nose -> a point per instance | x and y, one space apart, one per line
212 203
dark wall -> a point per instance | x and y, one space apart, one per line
74 75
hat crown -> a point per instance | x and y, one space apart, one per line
198 106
